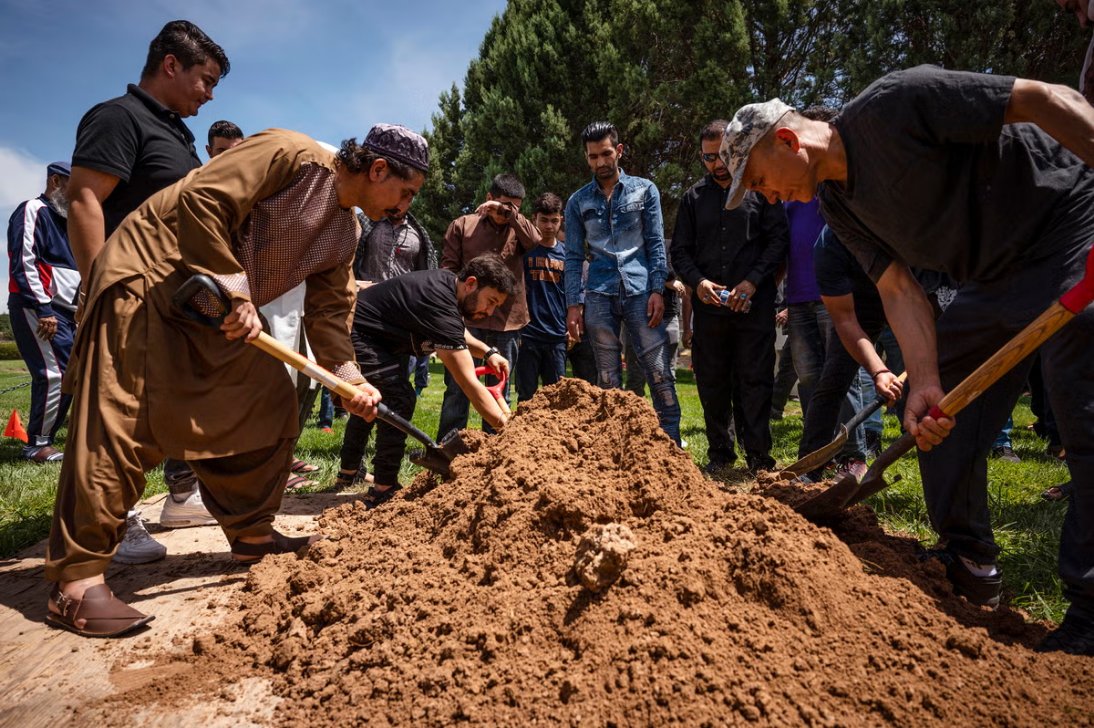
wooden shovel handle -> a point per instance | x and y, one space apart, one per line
301 363
1002 361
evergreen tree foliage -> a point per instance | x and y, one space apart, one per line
661 69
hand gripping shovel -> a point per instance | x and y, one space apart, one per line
497 391
820 457
435 457
849 491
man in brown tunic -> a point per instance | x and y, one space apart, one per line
148 382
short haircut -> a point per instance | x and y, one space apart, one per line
598 130
714 130
507 184
490 272
819 113
186 42
360 159
224 130
548 204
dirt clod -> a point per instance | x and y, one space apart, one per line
602 555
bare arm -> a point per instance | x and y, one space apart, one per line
912 320
462 367
87 188
1060 111
842 311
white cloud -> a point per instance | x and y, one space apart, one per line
21 178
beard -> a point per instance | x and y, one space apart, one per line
59 202
469 305
607 171
721 174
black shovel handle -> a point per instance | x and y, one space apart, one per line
195 284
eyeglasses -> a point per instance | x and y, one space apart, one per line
709 156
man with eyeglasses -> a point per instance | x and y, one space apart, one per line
729 259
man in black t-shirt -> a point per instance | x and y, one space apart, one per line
127 149
415 314
989 179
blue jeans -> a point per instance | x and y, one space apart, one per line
1003 438
538 361
326 409
419 370
455 406
808 326
604 317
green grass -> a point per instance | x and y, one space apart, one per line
1026 527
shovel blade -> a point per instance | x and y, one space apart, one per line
829 503
438 457
817 458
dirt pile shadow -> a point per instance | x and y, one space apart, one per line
579 570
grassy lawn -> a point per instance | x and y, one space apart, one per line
1026 527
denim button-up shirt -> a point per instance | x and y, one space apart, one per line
623 239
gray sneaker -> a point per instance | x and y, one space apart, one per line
190 512
138 546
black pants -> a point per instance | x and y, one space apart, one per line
830 390
981 319
734 361
388 373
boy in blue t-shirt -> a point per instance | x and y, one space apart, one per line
543 339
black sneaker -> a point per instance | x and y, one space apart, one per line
717 466
1074 636
756 463
1005 453
980 590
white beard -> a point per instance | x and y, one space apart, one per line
59 202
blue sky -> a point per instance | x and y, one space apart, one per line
330 69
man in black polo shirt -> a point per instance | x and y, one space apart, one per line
986 178
414 314
733 344
127 149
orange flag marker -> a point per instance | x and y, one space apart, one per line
15 427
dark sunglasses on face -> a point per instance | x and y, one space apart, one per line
709 156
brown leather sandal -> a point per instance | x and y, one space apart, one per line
98 614
281 544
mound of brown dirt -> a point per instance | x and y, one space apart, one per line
580 570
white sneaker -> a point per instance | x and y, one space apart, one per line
191 512
138 546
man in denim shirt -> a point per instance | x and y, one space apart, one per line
615 221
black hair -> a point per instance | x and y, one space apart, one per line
490 272
359 159
819 113
713 130
598 130
186 42
507 184
547 204
224 130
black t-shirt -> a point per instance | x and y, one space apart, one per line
414 313
935 179
839 274
140 141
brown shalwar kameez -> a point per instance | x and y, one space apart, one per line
148 383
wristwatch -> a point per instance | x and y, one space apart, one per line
489 353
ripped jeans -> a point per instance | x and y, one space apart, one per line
604 317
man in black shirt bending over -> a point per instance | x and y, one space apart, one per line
415 314
986 178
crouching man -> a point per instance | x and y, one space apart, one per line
148 383
415 314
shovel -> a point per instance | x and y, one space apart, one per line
820 457
848 491
434 457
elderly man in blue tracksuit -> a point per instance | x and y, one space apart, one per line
43 285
